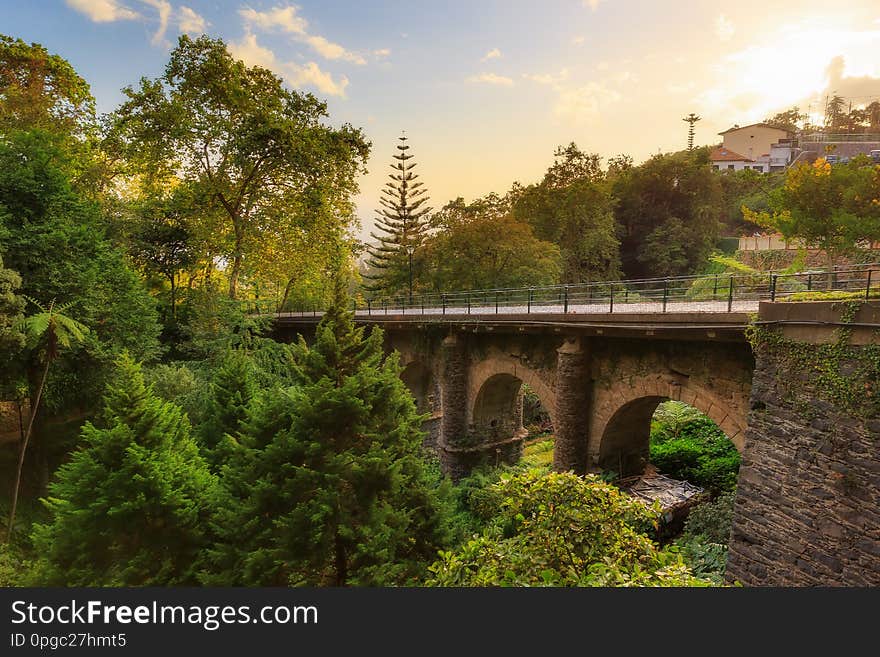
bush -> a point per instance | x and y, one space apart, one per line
558 529
687 445
703 542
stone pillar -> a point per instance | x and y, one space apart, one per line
454 396
571 422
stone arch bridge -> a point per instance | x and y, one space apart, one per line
808 492
600 377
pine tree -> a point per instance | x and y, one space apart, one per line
402 223
691 119
131 506
334 490
232 388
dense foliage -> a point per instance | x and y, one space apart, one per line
562 530
131 507
687 445
330 486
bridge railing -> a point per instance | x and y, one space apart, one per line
708 293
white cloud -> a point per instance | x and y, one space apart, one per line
163 7
491 78
592 4
492 54
286 19
578 41
189 22
310 74
579 102
110 11
548 78
103 11
724 28
382 52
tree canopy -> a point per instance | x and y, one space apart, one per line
260 153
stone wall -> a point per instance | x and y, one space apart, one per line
807 510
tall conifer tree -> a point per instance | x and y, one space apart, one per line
131 506
402 224
331 488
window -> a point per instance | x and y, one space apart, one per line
731 167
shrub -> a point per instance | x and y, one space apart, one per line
558 529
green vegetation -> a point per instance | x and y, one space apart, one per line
131 507
562 530
687 445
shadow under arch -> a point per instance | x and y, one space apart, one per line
419 379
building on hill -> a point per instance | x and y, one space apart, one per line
759 146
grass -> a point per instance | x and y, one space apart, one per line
538 452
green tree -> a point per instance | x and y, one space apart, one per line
489 252
161 240
402 224
678 188
49 331
572 208
832 208
231 390
54 237
11 307
559 529
691 119
332 488
254 148
131 506
41 90
789 120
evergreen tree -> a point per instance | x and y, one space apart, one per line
130 507
332 488
691 119
403 224
232 388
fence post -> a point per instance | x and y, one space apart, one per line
369 306
565 300
611 302
730 295
665 292
809 282
715 289
496 303
422 300
529 306
868 286
468 304
443 303
773 287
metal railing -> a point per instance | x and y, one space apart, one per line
708 293
820 137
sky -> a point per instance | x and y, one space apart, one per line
486 89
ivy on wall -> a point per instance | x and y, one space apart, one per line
846 375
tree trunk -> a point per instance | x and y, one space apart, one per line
27 436
173 297
287 290
829 279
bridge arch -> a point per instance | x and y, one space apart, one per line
622 423
496 382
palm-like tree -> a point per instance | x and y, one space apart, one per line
49 330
